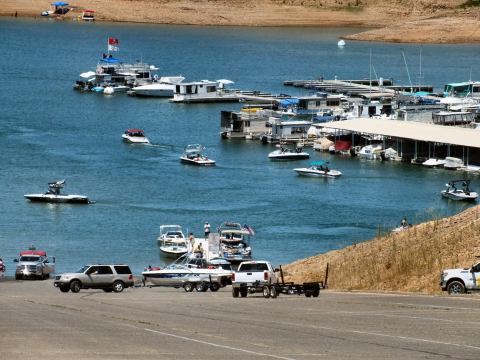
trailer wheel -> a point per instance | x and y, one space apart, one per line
188 287
273 292
243 293
235 292
214 287
308 293
266 291
316 292
200 287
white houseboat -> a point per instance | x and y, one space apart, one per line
204 91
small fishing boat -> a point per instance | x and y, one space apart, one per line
135 136
172 240
288 154
433 162
459 190
193 155
318 168
53 195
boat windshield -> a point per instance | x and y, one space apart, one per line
29 258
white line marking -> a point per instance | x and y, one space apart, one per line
381 335
218 345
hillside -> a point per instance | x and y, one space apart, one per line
411 260
435 21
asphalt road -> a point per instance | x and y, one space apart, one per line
39 322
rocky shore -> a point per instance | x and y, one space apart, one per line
410 21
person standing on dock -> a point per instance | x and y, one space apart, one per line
206 228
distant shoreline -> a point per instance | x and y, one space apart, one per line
383 22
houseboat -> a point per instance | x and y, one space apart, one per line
287 131
204 91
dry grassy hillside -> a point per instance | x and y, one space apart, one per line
407 261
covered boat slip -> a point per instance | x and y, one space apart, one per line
418 139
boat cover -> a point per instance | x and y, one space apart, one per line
33 252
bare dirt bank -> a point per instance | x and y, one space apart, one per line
411 260
424 21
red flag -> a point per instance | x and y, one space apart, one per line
112 41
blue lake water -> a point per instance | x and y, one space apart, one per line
50 132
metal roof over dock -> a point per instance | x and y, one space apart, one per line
411 130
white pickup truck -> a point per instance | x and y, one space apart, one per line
259 276
459 281
34 264
251 277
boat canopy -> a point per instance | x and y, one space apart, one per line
289 102
110 60
33 252
60 3
225 81
87 75
194 148
318 163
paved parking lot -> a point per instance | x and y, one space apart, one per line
37 321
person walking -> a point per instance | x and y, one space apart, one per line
206 228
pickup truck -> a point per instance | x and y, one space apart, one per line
34 264
259 276
459 281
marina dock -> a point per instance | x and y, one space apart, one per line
359 88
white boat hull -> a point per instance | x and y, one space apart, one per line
177 278
288 155
434 162
173 251
460 195
52 198
135 139
154 90
317 173
199 162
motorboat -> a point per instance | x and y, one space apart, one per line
193 155
371 152
189 269
234 242
452 163
459 190
434 162
172 240
53 195
318 168
135 136
288 154
163 87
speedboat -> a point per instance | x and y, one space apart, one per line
371 152
189 269
452 163
433 162
135 136
234 242
163 87
172 241
288 154
53 195
318 168
455 193
193 155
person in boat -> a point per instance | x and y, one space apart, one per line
198 251
326 169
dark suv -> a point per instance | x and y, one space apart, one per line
107 277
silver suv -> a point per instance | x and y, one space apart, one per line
107 277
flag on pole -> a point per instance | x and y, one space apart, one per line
112 44
249 229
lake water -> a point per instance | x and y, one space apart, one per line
51 132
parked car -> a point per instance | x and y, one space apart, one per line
107 277
459 281
34 264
